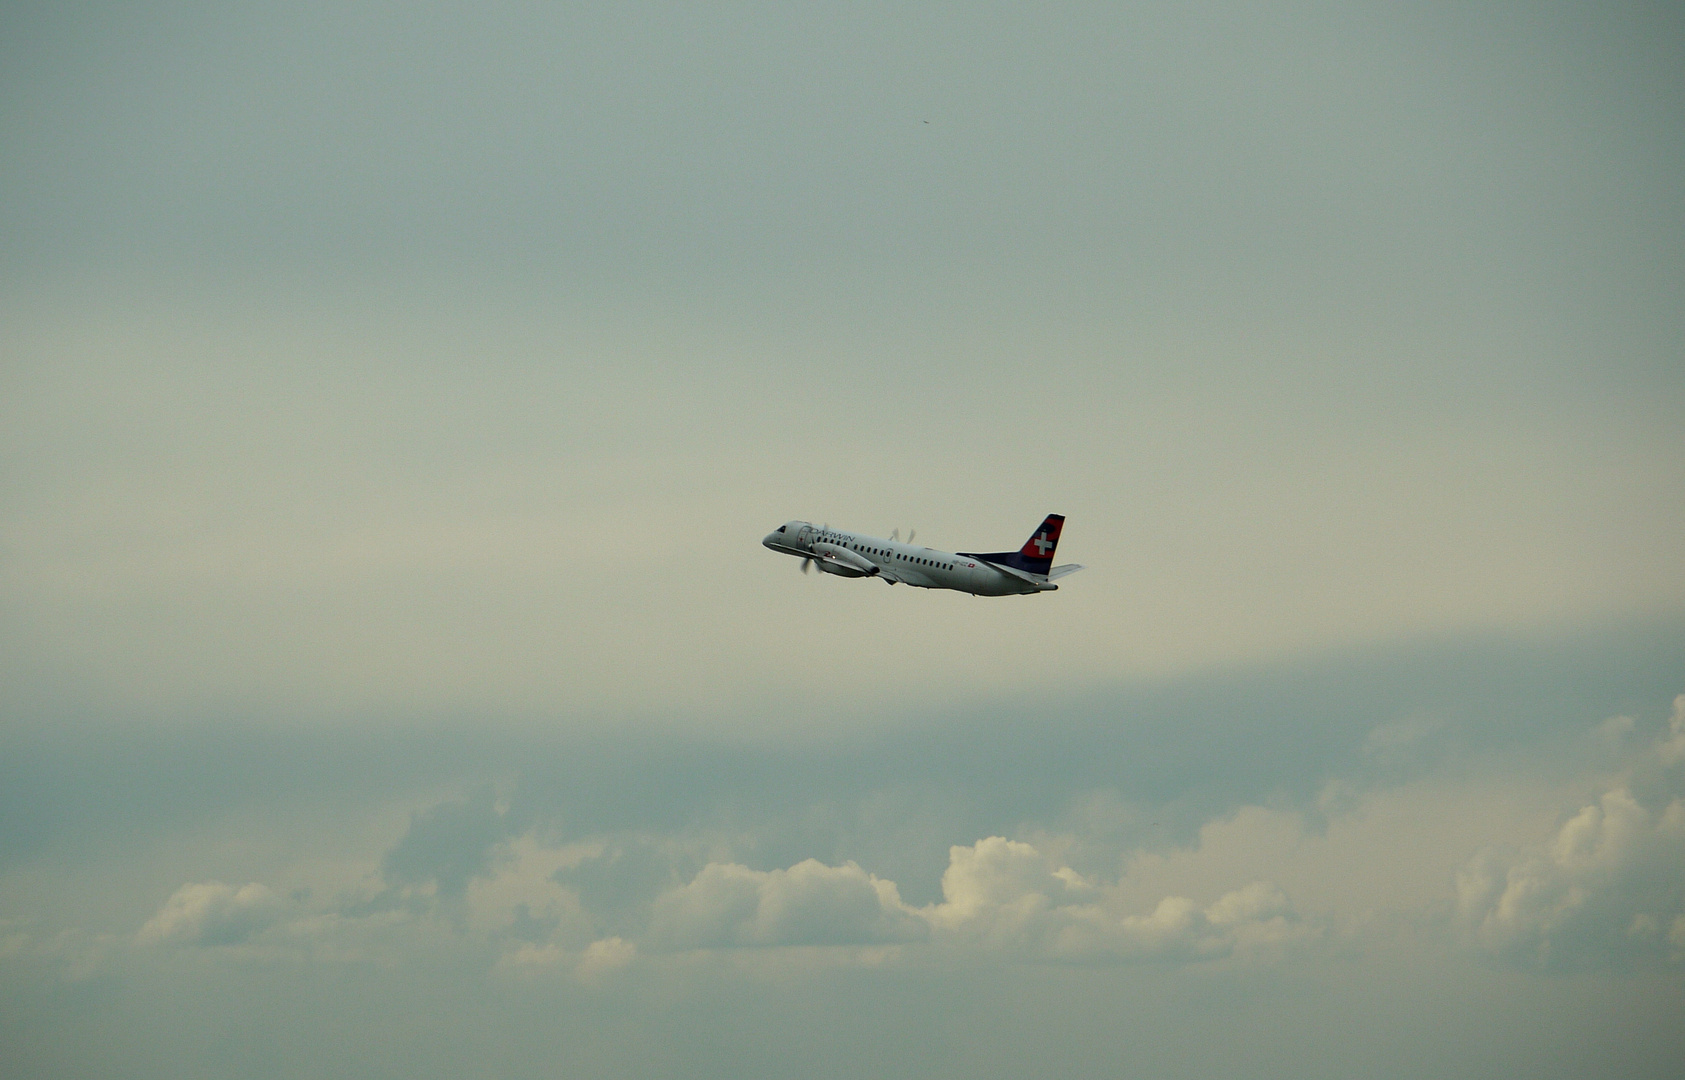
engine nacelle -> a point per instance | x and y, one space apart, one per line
838 560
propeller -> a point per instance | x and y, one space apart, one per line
910 534
807 564
895 534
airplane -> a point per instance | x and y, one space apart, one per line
1030 569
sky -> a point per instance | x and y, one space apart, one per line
393 398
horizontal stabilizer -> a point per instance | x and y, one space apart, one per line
1060 571
1039 581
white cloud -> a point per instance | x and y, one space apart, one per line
999 895
1608 883
212 913
1401 735
521 891
1615 730
809 904
1608 887
596 962
1671 750
605 957
1005 894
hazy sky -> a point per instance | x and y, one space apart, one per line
393 397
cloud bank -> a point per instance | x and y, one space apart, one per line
1000 897
1456 874
1605 887
1004 894
808 904
1608 888
213 913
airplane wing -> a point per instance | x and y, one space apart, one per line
836 553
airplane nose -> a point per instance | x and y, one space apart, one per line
767 541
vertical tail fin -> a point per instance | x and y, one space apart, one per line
1037 552
1036 556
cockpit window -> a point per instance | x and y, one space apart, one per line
780 528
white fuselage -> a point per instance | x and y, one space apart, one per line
848 554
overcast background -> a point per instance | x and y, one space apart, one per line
393 397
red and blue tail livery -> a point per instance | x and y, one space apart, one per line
1030 569
1046 538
